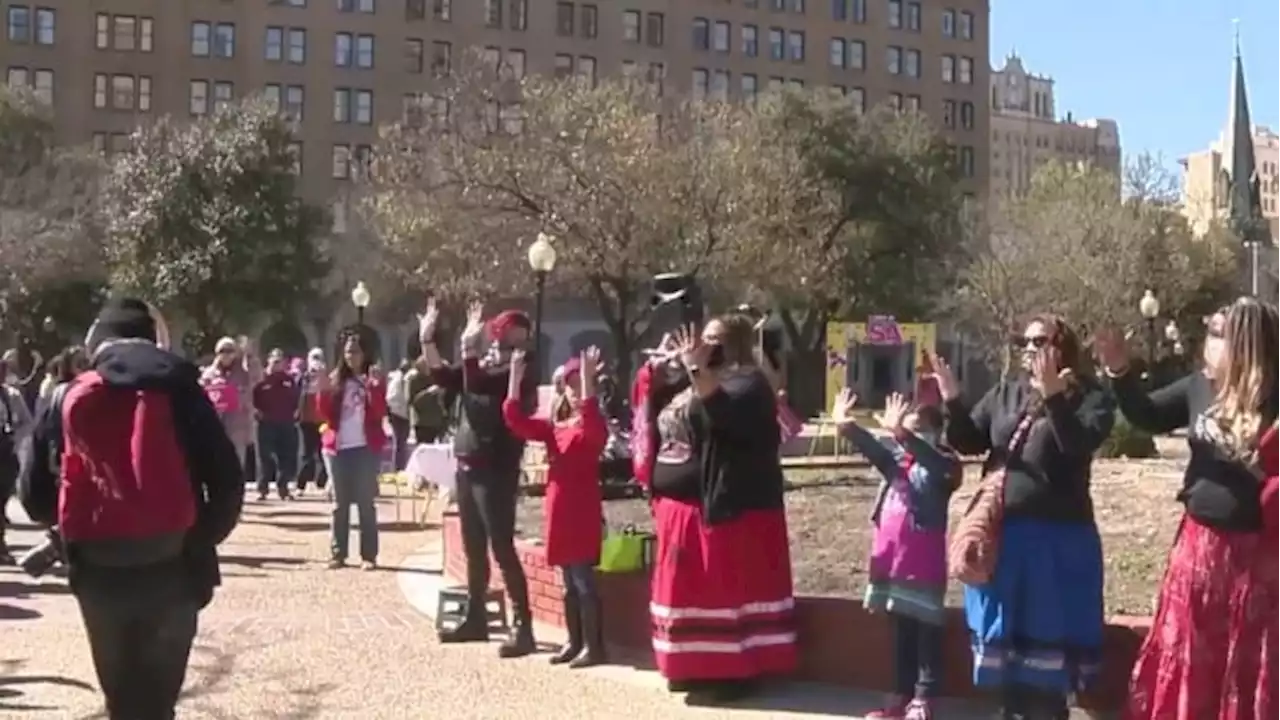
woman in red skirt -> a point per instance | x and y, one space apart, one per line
1211 653
706 445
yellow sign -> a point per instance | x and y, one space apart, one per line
843 339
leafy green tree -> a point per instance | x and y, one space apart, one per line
204 218
49 221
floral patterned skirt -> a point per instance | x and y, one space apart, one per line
1212 650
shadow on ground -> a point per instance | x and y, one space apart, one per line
12 687
259 562
311 527
20 589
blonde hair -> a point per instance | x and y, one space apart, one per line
1246 381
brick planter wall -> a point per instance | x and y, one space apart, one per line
840 643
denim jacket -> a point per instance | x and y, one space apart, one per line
931 477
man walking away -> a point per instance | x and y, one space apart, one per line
426 406
398 413
15 424
275 406
312 467
148 485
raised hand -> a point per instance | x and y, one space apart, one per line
475 321
948 388
515 378
1046 374
1111 350
428 321
842 407
688 344
589 370
896 408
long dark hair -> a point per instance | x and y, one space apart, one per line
1071 356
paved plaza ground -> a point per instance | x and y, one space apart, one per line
286 638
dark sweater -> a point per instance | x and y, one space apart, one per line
482 436
1049 479
741 466
1218 490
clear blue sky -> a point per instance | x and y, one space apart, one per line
1160 68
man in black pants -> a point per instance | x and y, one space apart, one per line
488 466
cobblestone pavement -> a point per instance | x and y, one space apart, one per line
286 638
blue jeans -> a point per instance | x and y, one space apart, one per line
353 473
277 455
580 580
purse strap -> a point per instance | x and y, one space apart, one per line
1020 433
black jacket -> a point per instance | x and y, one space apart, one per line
212 461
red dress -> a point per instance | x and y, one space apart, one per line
1212 650
721 602
573 518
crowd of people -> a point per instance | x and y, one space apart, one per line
709 417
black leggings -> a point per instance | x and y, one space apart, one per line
487 512
917 657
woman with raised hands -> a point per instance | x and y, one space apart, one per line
1211 651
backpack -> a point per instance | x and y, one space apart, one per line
398 394
125 484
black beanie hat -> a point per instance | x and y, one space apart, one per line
126 317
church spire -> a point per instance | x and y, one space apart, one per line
1244 199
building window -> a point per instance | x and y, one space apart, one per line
701 34
442 10
836 53
46 22
102 34
701 79
43 86
297 46
795 84
966 71
341 105
200 39
364 107
778 5
750 40
655 29
857 55
223 94
100 143
364 51
858 12
493 13
795 46
631 26
515 63
948 23
198 97
968 114
590 21
17 77
341 162
720 37
840 10
144 93
750 86
563 66
294 102
948 68
224 40
895 101
949 114
966 25
720 85
913 103
364 6
19 28
343 48
415 59
100 91
415 9
911 63
777 44
272 96
295 152
564 19
913 16
967 168
519 15
274 39
493 58
441 57
656 77
123 92
587 70
895 13
894 60
146 34
857 98
124 34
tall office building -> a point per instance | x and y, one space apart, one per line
1027 132
344 67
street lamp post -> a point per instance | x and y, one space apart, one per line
542 260
1149 307
360 298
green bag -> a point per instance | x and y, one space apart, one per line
624 552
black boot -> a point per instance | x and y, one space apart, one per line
573 624
520 642
593 633
474 628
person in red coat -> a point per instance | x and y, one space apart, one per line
572 529
352 403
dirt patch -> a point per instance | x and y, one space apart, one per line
828 513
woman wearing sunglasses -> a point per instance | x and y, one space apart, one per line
1211 652
1036 621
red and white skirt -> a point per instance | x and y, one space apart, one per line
721 601
1211 653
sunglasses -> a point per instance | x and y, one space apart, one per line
1038 342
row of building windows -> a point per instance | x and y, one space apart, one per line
38 81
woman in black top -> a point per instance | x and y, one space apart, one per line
1037 624
705 443
1211 652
